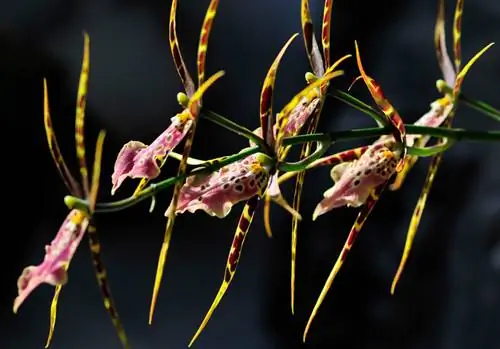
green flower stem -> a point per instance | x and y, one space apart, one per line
480 106
234 127
379 117
361 106
154 188
440 132
304 163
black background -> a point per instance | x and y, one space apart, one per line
449 296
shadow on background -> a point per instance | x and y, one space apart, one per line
449 296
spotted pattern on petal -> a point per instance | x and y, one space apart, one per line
299 116
218 192
354 180
137 160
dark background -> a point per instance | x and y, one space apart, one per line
449 295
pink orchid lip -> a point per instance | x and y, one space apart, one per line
354 180
58 255
217 192
137 160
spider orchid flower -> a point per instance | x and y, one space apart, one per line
306 111
138 160
58 255
442 112
442 109
216 193
354 180
247 180
309 107
359 182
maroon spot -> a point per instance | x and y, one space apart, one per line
235 254
417 211
308 32
326 31
243 224
81 102
204 36
458 23
265 99
172 30
201 60
227 275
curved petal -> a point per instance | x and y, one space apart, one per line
312 48
232 260
266 96
325 31
136 160
180 66
386 107
57 256
216 193
442 55
355 180
356 228
206 28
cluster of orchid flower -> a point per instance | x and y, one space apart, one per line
360 175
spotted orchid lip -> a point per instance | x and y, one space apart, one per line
354 180
218 192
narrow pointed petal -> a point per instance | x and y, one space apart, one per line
266 96
442 55
461 75
356 228
192 110
102 281
69 181
81 102
96 172
386 107
180 66
57 256
267 216
274 193
53 312
416 217
312 48
206 28
232 260
325 31
457 33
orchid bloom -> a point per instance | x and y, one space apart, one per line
307 111
245 180
442 112
138 160
58 255
350 164
359 182
183 126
